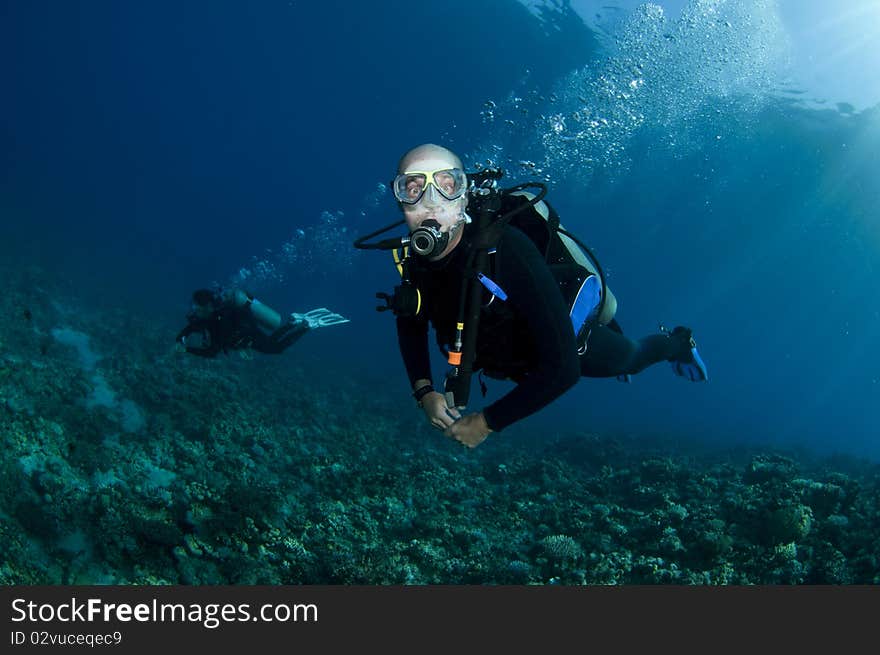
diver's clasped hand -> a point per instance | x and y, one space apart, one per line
438 412
470 430
321 317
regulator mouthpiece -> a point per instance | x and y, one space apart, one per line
427 240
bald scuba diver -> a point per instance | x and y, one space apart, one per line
235 320
506 296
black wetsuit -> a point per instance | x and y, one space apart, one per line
229 328
528 338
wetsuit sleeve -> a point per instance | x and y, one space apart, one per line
412 337
531 288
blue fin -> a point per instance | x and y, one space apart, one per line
690 365
694 369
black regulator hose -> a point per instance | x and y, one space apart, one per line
387 244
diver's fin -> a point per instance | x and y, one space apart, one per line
689 365
321 317
626 378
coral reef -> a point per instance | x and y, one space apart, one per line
128 463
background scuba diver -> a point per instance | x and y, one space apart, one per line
235 320
528 336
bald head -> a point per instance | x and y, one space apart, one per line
426 152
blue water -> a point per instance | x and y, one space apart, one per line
152 148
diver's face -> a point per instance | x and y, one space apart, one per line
449 214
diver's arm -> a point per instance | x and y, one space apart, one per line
532 289
412 337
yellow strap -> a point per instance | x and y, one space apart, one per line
398 259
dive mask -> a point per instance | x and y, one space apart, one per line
411 186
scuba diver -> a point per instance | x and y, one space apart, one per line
235 320
507 295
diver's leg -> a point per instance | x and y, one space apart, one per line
280 339
266 344
292 334
610 353
614 325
